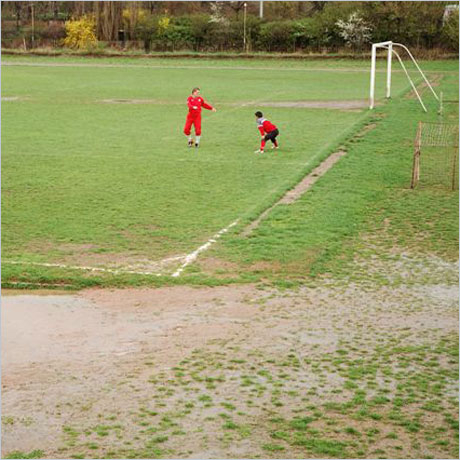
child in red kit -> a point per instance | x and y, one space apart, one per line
194 104
268 131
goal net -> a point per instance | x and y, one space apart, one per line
435 161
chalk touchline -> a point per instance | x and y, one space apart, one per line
193 255
188 259
93 269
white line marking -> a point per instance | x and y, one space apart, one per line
189 258
24 283
94 269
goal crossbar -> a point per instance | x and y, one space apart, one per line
388 45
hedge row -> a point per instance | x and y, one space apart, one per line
202 32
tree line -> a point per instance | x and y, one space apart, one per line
230 26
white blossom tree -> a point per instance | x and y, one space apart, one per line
217 13
355 31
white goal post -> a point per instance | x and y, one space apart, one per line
389 46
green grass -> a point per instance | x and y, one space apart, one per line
19 454
97 184
273 447
444 65
89 183
364 199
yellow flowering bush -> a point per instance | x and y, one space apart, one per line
81 33
163 24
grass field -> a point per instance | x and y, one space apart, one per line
106 184
368 190
333 332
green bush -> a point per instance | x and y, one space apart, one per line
418 25
253 27
277 36
163 33
310 33
145 30
201 31
178 36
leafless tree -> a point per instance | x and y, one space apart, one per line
133 8
18 13
108 20
318 6
236 7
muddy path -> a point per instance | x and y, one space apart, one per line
225 372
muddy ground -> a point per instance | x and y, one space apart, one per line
233 372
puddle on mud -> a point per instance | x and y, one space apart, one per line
68 359
43 327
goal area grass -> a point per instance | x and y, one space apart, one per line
97 173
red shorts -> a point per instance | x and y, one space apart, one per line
193 120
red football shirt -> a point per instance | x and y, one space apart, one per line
194 104
265 126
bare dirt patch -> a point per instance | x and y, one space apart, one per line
73 247
214 372
135 101
218 265
308 181
366 129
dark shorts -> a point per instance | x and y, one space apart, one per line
271 136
